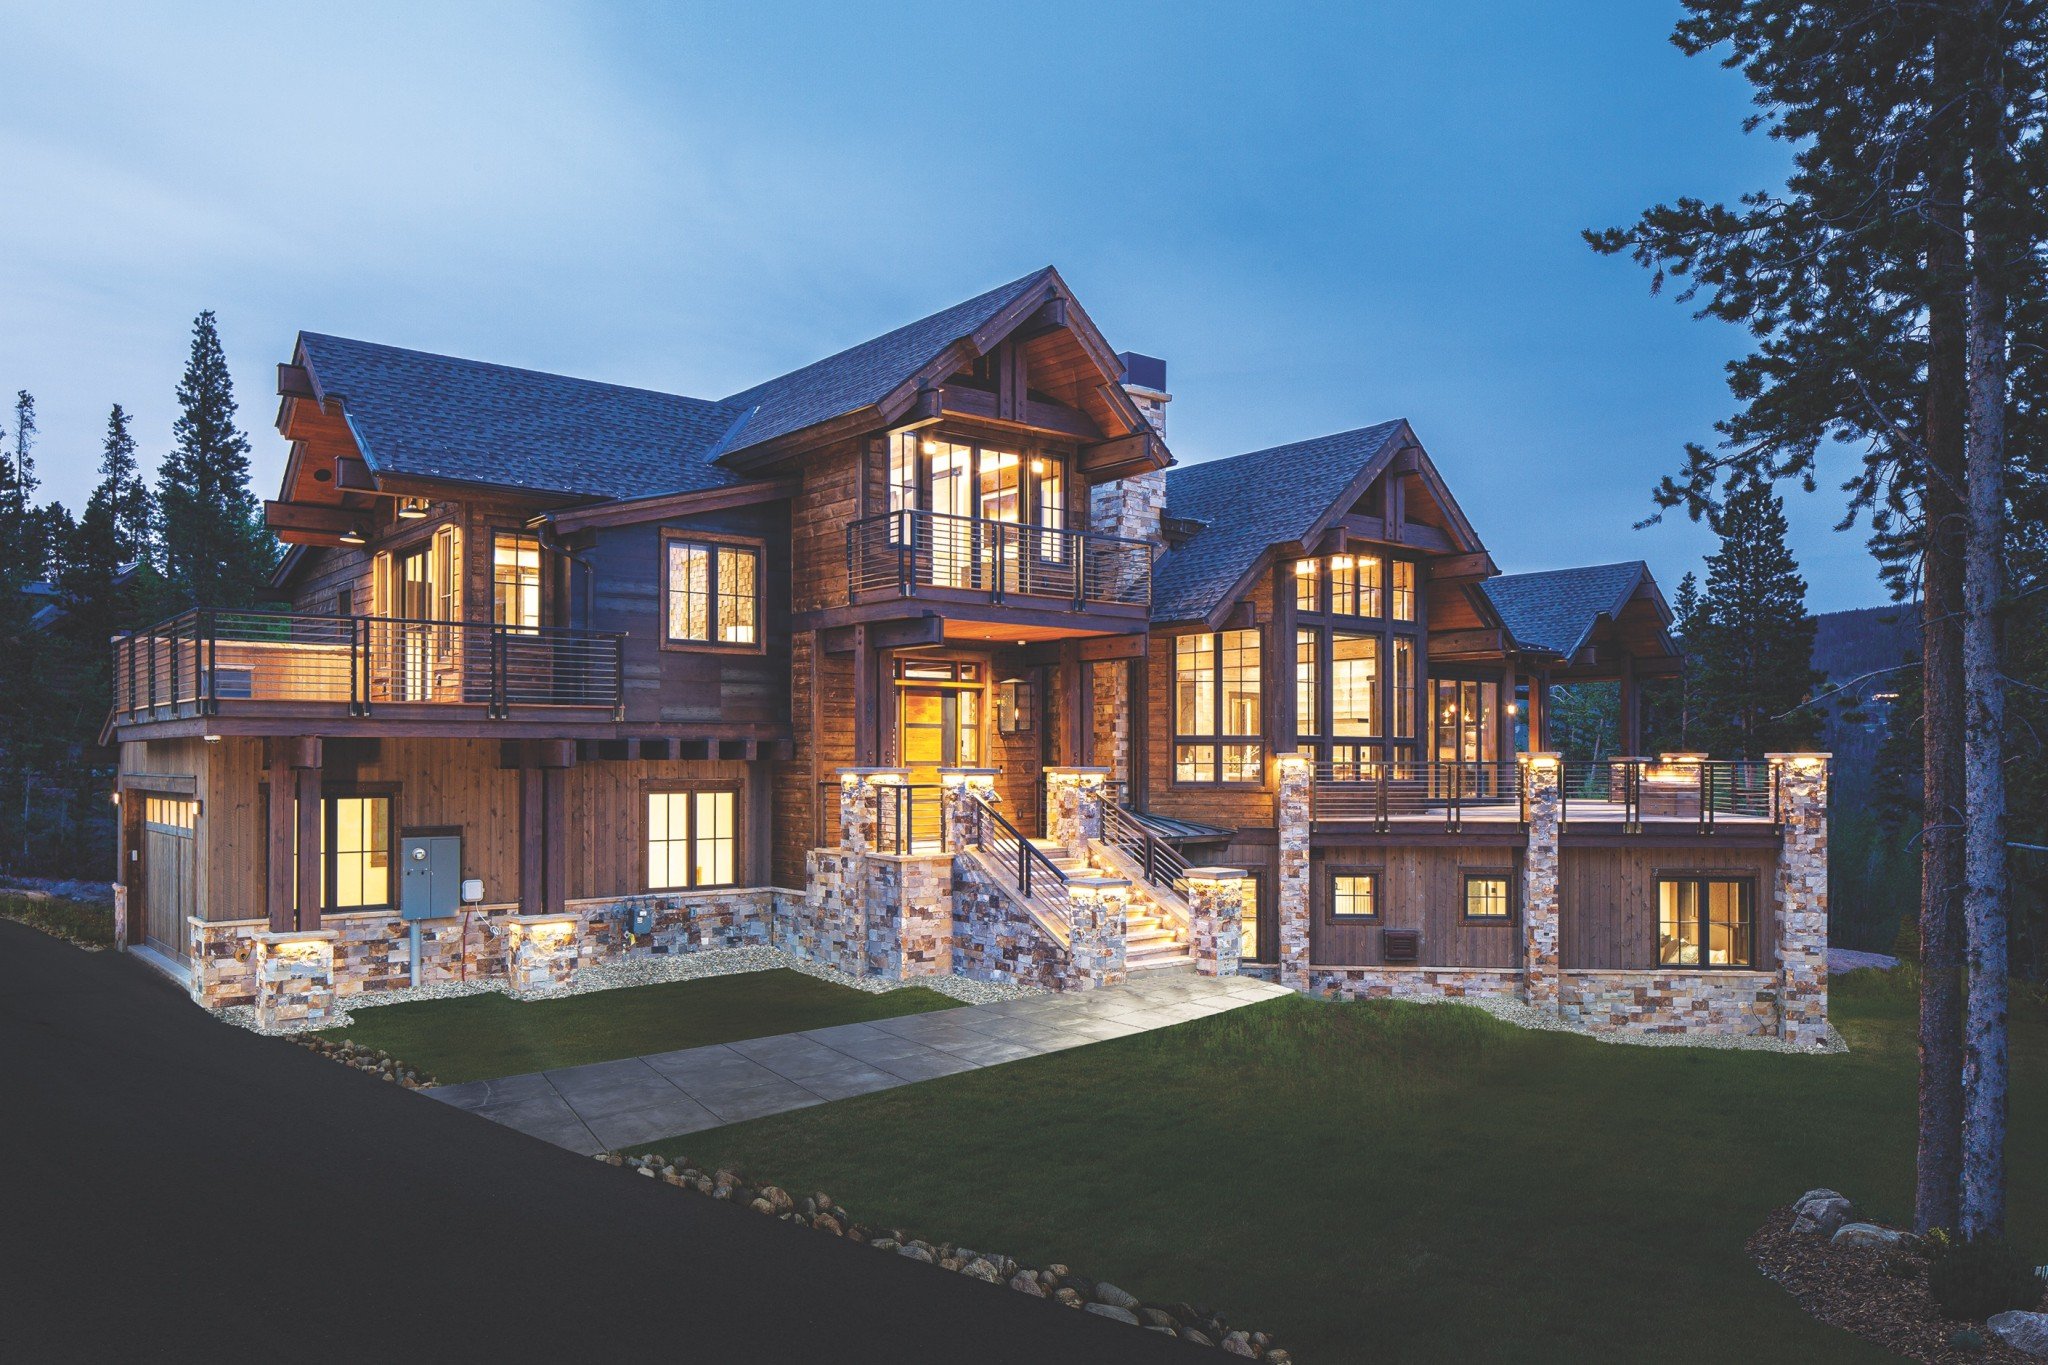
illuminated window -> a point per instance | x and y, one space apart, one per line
1308 585
1404 590
1306 696
903 484
1355 585
1248 921
1354 895
355 852
713 593
1216 695
1404 688
692 839
1704 922
515 580
1051 477
1486 895
1354 684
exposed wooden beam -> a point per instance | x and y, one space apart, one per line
1099 648
1050 317
1478 565
1457 642
929 629
293 381
294 516
641 510
1033 413
1140 449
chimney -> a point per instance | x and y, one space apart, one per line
1133 507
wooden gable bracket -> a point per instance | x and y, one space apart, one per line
295 516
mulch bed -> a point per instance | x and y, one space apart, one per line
1850 1288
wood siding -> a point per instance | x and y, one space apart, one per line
1420 887
1607 898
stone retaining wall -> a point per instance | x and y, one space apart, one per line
1714 1002
1412 983
995 941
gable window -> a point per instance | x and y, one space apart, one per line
1354 896
1487 897
692 838
1307 697
1308 585
1404 590
1355 585
1216 708
1051 477
515 580
1705 922
713 593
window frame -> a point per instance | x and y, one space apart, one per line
1504 875
715 542
653 787
1373 873
540 579
1747 887
1216 740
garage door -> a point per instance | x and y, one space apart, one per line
170 871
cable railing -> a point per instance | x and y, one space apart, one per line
1706 791
200 658
902 552
1024 865
1380 791
1159 863
907 818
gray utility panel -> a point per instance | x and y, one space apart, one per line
430 886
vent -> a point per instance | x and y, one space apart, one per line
1401 945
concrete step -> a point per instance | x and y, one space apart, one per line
1183 964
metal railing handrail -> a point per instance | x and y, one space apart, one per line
1381 790
1701 790
1037 878
1159 863
910 548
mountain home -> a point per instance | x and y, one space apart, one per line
924 658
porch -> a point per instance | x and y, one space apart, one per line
1668 793
943 557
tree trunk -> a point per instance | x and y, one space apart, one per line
1939 1160
1985 891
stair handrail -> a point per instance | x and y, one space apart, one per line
1160 864
1037 877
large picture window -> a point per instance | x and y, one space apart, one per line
713 593
355 852
692 839
1354 685
1216 701
1705 922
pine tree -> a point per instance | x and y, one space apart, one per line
1751 637
131 510
217 551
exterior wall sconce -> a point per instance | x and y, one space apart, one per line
353 536
412 509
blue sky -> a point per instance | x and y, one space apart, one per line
1322 216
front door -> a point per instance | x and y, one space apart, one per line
936 727
1468 732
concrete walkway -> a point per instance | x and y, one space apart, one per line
615 1105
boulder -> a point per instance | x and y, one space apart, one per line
1024 1282
916 1253
1811 1196
1158 1318
778 1199
1067 1297
1110 1310
1865 1235
980 1269
1823 1217
2027 1332
1105 1292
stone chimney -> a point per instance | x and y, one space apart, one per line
1133 507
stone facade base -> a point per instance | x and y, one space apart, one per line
294 979
542 950
1412 983
1739 1004
994 940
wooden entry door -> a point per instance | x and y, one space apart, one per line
170 871
936 727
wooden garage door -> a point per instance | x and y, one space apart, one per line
170 872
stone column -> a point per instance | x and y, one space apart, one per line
1098 907
540 951
1540 967
860 805
1216 918
1293 812
956 812
1802 882
1073 799
294 979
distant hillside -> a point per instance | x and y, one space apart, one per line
1854 649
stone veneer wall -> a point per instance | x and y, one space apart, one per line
995 941
294 979
1293 808
1802 885
1215 898
1714 1002
1540 959
913 937
1412 983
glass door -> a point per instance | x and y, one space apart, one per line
1467 733
952 503
999 504
415 609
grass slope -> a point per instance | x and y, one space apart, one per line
1410 1182
85 923
477 1037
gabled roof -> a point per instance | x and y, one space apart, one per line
865 374
1557 610
439 417
1256 500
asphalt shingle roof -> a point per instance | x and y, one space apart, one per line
863 374
1556 609
1251 501
436 416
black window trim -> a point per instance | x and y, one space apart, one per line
1374 872
715 542
1217 741
1746 880
1469 875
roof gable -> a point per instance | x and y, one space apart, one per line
1557 610
421 415
1257 500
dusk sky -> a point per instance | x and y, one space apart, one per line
1321 217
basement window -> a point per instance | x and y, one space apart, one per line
1705 922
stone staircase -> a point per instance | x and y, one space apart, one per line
1153 939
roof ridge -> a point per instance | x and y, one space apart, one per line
511 369
1190 466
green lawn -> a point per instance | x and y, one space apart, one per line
476 1037
1409 1182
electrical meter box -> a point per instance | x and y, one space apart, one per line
430 876
640 920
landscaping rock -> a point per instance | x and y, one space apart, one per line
1068 1297
980 1269
1156 1317
2026 1332
916 1253
1238 1344
1814 1196
778 1199
1194 1335
1108 1293
1823 1217
1109 1310
1865 1235
1024 1282
885 1244
825 1222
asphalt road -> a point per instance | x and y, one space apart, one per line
175 1189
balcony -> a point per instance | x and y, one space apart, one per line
207 663
967 559
1625 795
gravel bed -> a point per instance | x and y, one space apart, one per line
651 971
1524 1016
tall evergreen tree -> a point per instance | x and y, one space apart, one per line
131 510
217 551
1750 639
